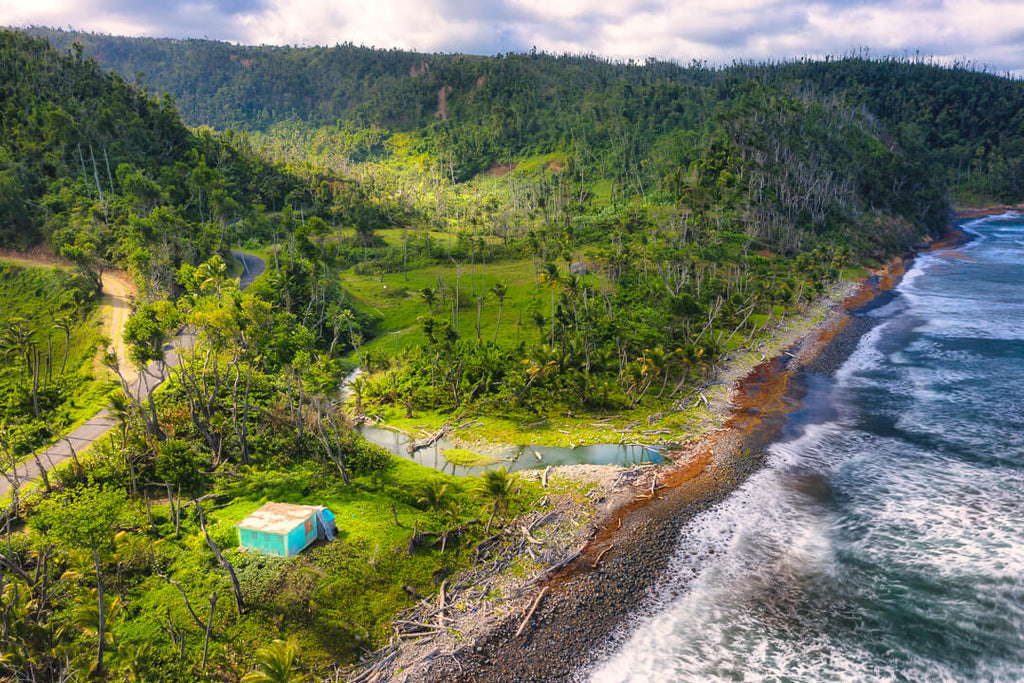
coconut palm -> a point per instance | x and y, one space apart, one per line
357 386
436 496
213 274
429 296
120 409
432 493
495 486
551 278
65 323
276 664
539 322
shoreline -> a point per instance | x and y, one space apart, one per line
605 570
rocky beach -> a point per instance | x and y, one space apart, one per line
593 577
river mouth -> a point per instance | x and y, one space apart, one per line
513 458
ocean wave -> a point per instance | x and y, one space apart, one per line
886 543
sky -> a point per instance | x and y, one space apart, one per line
986 33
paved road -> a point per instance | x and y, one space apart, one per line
96 427
253 265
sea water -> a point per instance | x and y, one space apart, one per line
884 539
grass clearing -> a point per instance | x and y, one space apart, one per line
335 597
396 300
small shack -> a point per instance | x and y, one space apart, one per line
285 529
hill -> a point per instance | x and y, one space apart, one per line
107 175
959 122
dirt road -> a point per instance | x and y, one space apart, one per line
116 307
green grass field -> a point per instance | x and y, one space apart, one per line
334 597
396 300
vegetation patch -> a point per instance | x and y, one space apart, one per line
50 336
656 223
462 457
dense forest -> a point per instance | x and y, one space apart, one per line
515 240
958 121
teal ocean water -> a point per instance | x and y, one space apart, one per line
884 540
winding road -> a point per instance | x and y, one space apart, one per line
116 303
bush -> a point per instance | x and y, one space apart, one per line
224 534
258 574
364 457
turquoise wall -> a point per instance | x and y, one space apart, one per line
299 537
274 544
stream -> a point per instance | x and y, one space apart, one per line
514 457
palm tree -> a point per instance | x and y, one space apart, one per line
429 296
213 274
357 386
276 664
17 339
436 496
655 361
539 322
550 278
65 324
432 493
120 409
541 361
499 291
496 487
534 246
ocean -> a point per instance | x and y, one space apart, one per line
884 538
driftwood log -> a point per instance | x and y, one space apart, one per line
529 615
431 439
421 539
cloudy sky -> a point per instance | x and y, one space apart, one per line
987 32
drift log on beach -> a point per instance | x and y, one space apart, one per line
536 603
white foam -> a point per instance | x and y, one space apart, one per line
866 355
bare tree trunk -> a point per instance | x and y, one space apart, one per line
241 425
102 616
67 348
175 511
149 508
479 313
42 470
188 605
235 587
209 626
74 456
35 381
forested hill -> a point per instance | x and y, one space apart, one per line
963 126
108 175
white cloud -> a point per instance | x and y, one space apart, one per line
985 31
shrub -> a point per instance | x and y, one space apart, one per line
258 574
